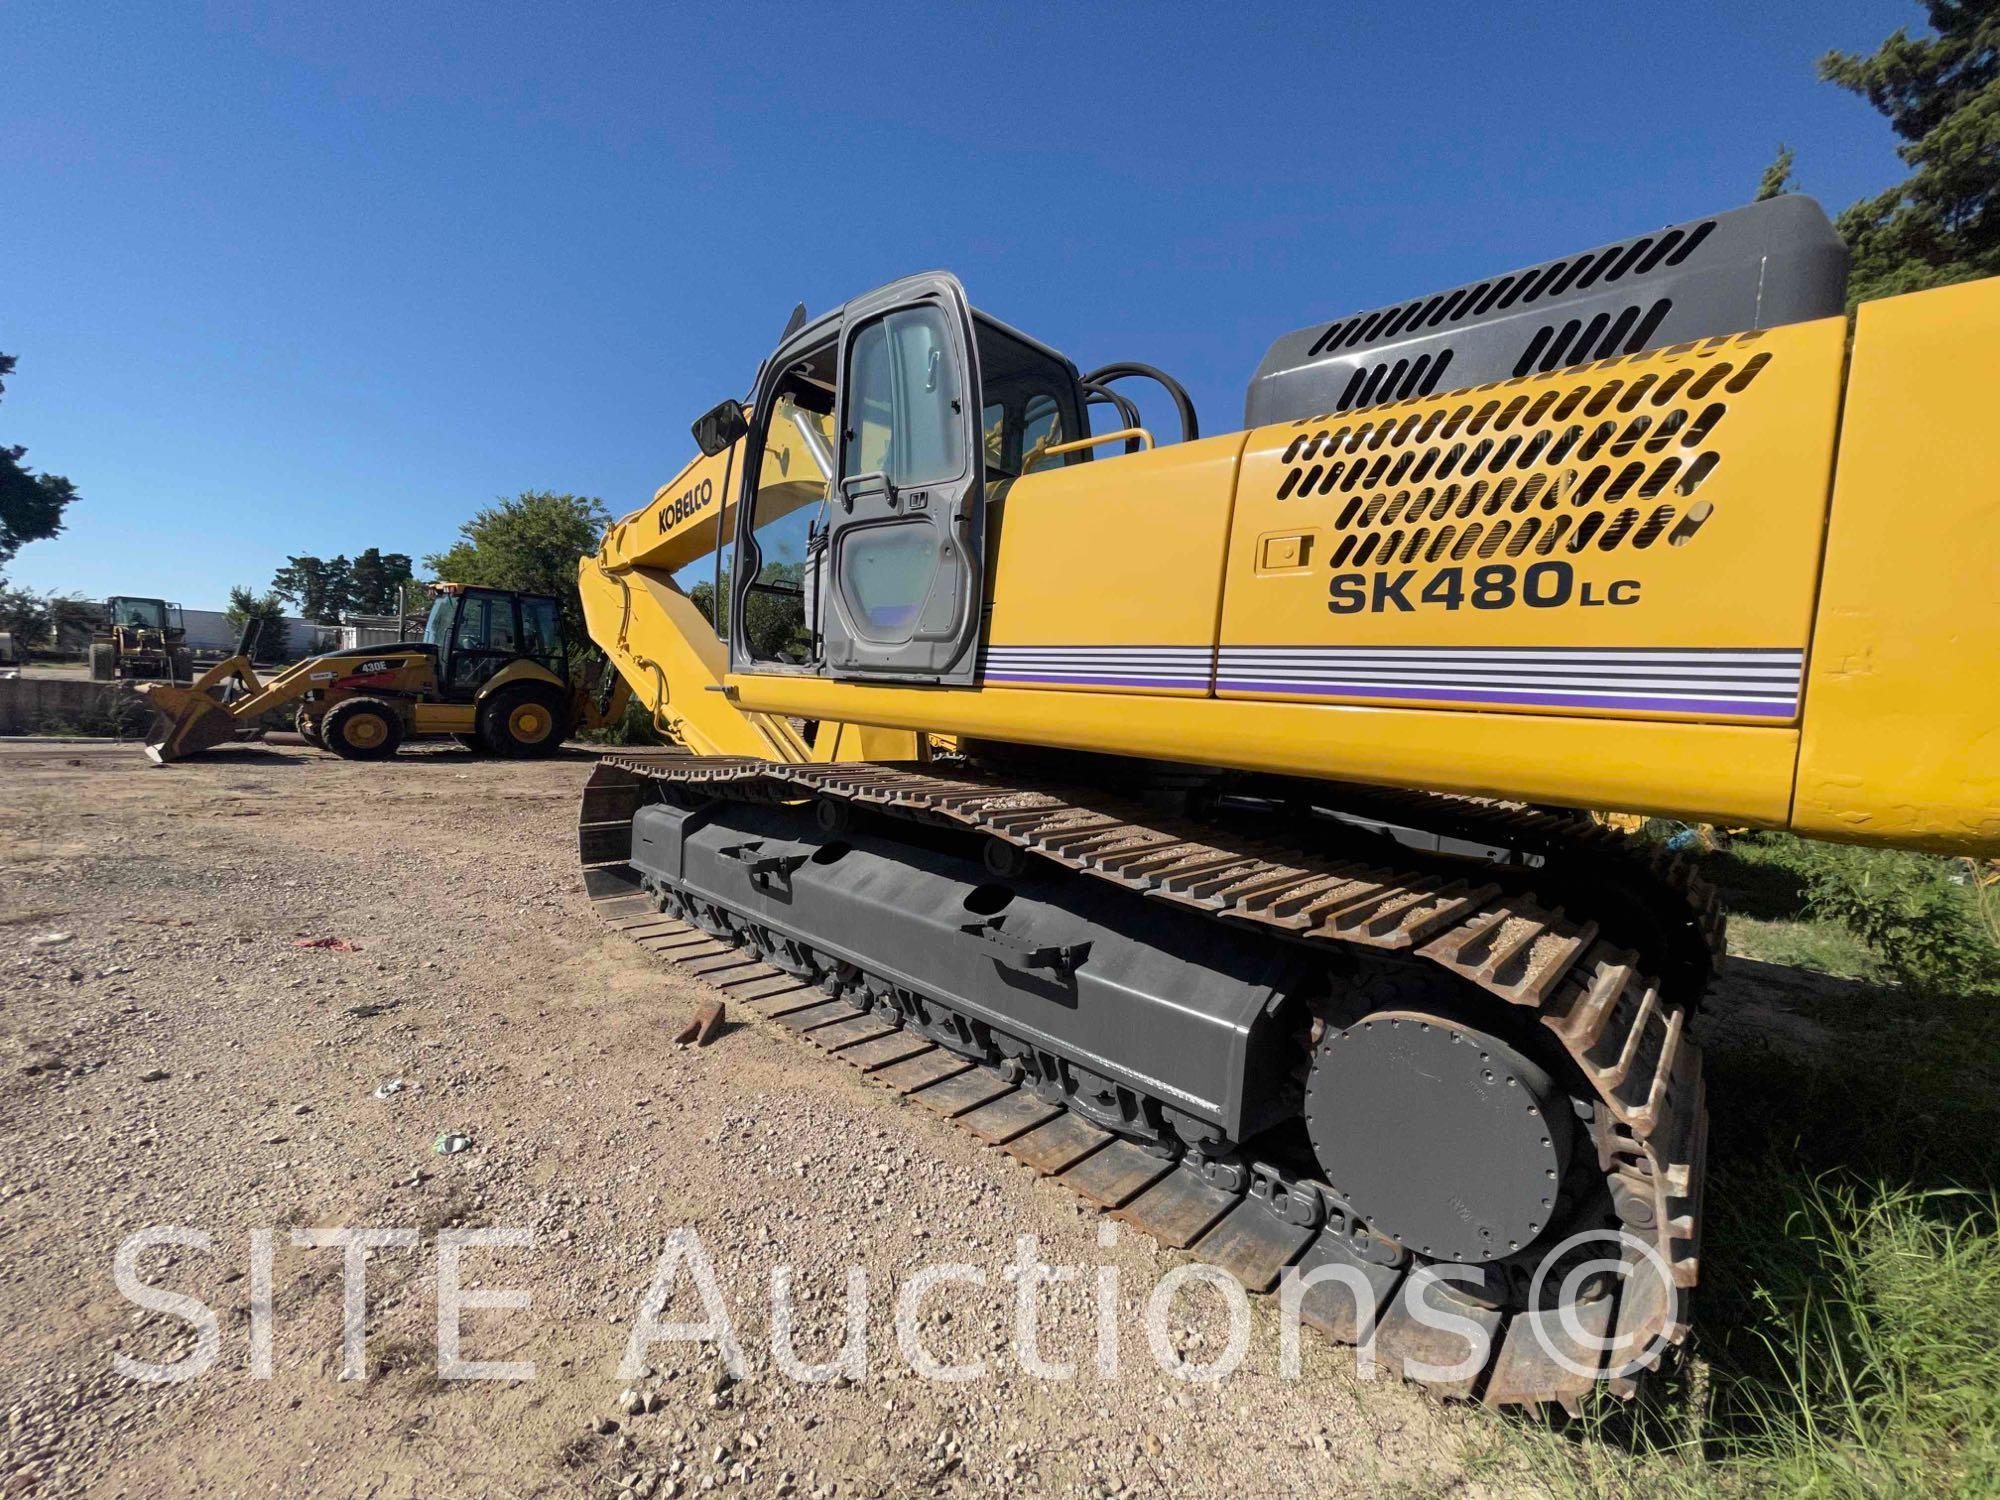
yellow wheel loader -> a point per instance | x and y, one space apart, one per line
1246 904
491 671
140 638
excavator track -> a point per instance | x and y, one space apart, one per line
1689 940
1628 1043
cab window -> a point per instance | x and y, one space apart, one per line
541 633
1031 405
486 623
787 514
905 403
483 639
437 628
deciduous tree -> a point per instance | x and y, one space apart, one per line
531 543
273 635
31 504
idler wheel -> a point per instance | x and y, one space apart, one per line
1443 1137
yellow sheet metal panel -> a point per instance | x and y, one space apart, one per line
1722 773
1902 725
834 742
444 718
680 524
668 653
1634 538
1107 576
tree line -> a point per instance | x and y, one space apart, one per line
529 543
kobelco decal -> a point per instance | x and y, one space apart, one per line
692 502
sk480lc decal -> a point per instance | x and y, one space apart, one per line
1542 585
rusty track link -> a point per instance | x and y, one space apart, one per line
1629 1043
1694 942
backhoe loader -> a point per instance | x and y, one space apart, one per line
491 672
1192 821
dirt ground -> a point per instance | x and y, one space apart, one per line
171 1056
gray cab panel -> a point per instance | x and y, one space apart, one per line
1769 263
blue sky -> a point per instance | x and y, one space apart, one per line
311 279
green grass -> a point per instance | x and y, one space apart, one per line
1823 946
1847 1333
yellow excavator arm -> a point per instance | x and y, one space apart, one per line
662 642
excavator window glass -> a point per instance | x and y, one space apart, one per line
906 414
885 574
904 400
1041 427
1030 404
788 506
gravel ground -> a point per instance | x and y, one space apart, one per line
171 1055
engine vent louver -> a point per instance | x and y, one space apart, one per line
1524 287
1394 380
1770 263
1610 459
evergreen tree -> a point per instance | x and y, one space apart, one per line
374 580
1777 179
313 586
1941 94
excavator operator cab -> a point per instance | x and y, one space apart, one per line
878 436
476 632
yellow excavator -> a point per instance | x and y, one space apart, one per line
490 671
1190 819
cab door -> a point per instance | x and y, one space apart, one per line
899 593
485 636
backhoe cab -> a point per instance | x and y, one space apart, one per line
490 671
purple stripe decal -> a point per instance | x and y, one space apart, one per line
1196 684
1513 695
1732 682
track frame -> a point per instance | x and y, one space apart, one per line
1630 1044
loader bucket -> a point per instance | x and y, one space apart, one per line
189 721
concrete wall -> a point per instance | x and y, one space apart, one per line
51 705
